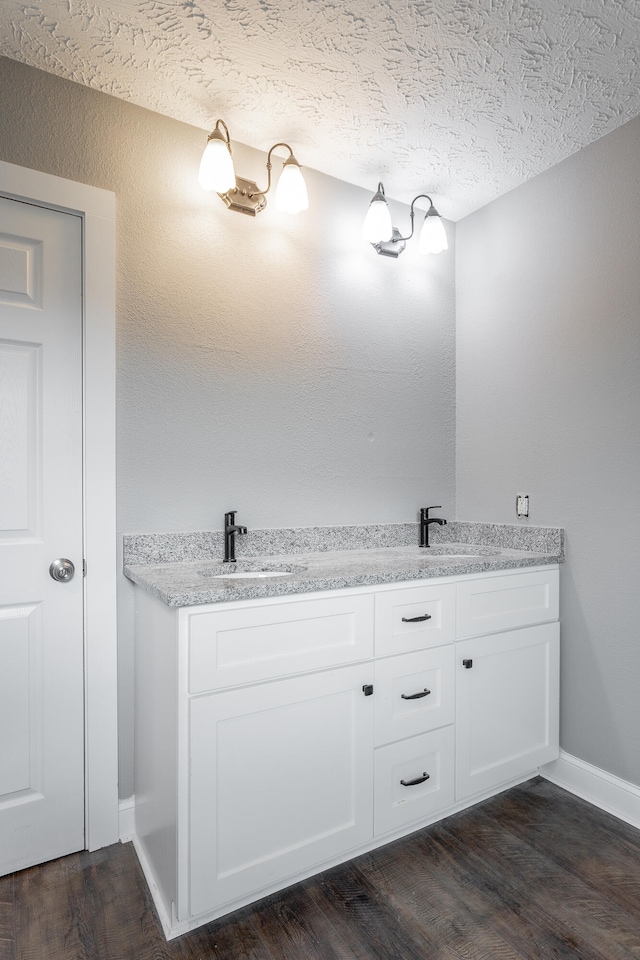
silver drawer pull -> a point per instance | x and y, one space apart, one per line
416 696
414 783
425 616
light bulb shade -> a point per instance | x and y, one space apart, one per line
433 237
291 192
377 224
216 167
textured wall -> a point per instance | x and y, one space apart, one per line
548 403
274 365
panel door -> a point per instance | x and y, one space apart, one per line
41 620
281 781
507 700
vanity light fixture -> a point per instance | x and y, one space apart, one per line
387 240
217 173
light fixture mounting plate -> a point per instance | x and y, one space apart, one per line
390 248
245 197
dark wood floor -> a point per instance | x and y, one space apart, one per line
532 873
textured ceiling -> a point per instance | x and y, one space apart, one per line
464 99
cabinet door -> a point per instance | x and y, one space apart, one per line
281 778
506 706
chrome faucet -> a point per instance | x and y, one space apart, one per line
425 520
231 528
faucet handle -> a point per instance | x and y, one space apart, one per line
424 511
230 518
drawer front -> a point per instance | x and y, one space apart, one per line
397 803
403 707
233 647
507 602
414 617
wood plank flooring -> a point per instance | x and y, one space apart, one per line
532 874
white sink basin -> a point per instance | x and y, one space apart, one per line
252 574
242 570
453 551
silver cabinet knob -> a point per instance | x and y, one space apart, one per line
62 570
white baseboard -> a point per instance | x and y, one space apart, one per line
596 786
170 931
127 819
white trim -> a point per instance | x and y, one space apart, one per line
97 208
127 819
596 786
169 925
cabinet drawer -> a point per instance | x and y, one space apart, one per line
414 617
233 647
397 803
503 603
402 707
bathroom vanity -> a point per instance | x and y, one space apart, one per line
279 735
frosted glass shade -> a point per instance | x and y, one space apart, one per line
291 192
377 224
216 167
433 238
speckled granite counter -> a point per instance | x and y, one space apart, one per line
185 569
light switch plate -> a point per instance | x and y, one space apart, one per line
522 505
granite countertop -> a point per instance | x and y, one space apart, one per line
186 569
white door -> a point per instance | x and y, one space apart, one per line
41 619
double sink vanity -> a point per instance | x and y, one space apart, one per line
341 688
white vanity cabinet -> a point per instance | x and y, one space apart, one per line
277 737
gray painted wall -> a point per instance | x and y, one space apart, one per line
275 365
548 403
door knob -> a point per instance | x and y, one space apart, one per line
62 570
